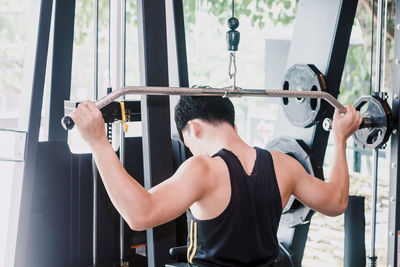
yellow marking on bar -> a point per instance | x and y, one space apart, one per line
123 115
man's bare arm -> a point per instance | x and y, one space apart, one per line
318 195
140 208
329 198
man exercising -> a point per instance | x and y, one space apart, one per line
233 193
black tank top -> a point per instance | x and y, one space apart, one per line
245 233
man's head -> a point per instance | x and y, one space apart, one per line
209 109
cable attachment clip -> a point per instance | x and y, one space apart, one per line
236 91
232 70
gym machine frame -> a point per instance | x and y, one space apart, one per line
394 185
331 67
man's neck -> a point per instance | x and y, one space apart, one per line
222 138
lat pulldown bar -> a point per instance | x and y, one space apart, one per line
68 123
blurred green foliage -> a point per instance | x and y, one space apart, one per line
12 49
356 75
284 10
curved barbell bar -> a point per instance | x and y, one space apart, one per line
68 123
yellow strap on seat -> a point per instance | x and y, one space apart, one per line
123 115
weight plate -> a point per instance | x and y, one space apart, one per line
303 112
378 110
295 213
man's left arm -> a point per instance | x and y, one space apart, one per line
140 208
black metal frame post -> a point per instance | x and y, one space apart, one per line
394 186
327 52
180 41
95 96
183 78
335 66
63 39
157 153
22 250
122 132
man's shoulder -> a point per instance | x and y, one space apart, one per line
287 168
280 158
284 164
199 170
201 163
203 166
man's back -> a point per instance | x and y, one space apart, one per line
244 233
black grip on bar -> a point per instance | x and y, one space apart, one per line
67 123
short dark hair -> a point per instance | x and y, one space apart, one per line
213 109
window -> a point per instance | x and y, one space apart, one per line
261 57
16 22
13 33
82 85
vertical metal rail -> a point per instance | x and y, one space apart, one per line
377 89
122 132
155 114
94 220
394 185
95 96
116 73
384 45
372 258
371 68
378 53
